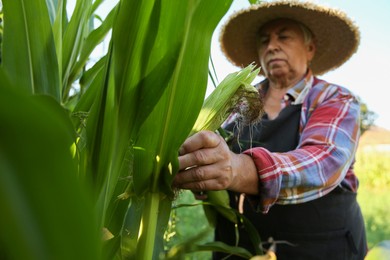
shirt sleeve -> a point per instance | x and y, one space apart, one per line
330 131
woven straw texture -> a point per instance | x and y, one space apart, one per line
337 36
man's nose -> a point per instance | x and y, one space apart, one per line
273 44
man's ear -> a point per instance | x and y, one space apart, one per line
311 50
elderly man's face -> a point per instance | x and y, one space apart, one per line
282 50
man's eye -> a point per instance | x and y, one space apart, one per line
264 41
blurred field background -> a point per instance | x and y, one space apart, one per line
372 167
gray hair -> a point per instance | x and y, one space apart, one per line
307 34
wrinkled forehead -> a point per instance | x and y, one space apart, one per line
280 24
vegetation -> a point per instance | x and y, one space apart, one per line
367 117
89 148
372 169
101 147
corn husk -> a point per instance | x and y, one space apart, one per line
234 94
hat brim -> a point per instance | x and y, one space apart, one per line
337 37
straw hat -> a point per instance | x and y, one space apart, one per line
337 37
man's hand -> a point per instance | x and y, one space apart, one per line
206 163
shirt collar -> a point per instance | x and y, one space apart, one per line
298 92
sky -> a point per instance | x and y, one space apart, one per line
365 73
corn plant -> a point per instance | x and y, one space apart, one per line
234 95
91 148
47 212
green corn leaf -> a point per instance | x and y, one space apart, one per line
170 122
90 74
149 94
59 22
73 37
94 38
110 249
46 213
111 125
130 38
129 30
172 118
52 6
96 4
131 228
89 87
159 74
252 234
99 128
144 93
130 33
190 245
23 53
219 202
222 247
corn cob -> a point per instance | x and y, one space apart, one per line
234 94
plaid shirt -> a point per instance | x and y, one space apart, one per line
329 133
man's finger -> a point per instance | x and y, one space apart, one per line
200 140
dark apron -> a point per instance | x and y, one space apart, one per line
330 227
